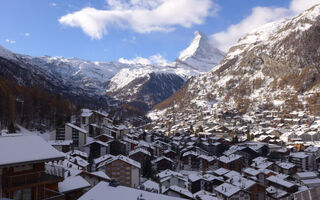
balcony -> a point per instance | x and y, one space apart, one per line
50 175
52 195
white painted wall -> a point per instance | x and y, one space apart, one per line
135 177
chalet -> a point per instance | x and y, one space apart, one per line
301 160
227 191
71 132
190 160
62 145
25 174
162 163
168 178
282 184
140 155
286 168
198 182
177 191
93 178
76 161
231 162
73 187
104 138
97 148
255 189
99 162
124 170
169 154
206 162
130 144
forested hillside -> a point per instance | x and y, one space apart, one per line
31 106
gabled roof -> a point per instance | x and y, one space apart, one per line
139 150
181 191
23 149
161 158
124 159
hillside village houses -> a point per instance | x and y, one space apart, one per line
226 156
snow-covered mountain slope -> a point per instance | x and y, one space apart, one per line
201 55
125 82
275 66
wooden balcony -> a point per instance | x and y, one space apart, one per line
52 174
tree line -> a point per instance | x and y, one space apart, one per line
32 107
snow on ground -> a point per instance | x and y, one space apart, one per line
24 131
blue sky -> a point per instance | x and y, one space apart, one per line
53 27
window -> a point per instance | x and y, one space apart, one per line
27 194
60 134
75 137
17 195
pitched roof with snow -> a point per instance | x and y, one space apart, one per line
124 159
73 183
103 190
280 181
139 150
15 150
77 128
227 189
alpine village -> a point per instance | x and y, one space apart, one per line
240 125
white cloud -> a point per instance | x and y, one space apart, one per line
156 59
137 60
298 6
10 41
27 34
159 60
142 16
259 16
53 4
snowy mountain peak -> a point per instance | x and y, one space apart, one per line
201 55
198 40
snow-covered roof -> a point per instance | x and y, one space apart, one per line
102 158
167 173
286 165
161 158
180 190
103 190
86 113
60 142
298 155
221 171
73 183
280 181
311 182
124 159
151 185
139 150
306 175
15 150
227 189
99 174
77 128
230 158
251 171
